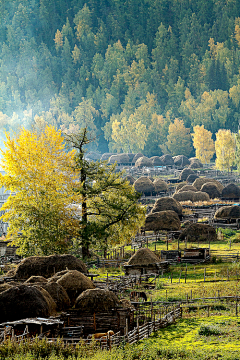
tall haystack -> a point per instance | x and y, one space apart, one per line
211 189
36 279
228 212
167 203
184 196
199 232
181 161
191 178
130 179
96 301
106 156
200 196
21 302
180 185
131 157
188 188
195 165
143 256
143 161
46 266
156 161
185 173
167 160
119 158
198 183
75 283
231 191
59 295
51 303
160 186
137 156
144 185
162 220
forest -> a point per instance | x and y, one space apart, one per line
125 68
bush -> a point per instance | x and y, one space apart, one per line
208 330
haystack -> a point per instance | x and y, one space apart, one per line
231 191
162 220
21 302
59 295
167 203
4 287
160 185
96 300
180 185
188 188
119 158
228 212
156 161
130 179
191 178
106 156
200 196
195 165
131 157
46 266
211 189
57 276
143 161
185 173
198 183
181 161
167 159
137 156
144 185
184 196
143 256
51 303
36 279
113 158
199 232
75 283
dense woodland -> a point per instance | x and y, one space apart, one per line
126 68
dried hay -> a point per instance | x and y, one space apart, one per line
36 279
228 212
191 178
51 303
167 159
4 287
130 179
131 157
199 232
156 161
59 295
96 300
160 185
188 188
75 283
211 189
144 185
20 302
198 183
184 196
143 256
57 276
185 173
162 220
143 161
231 191
46 266
180 185
137 156
167 203
200 196
195 165
106 156
181 160
119 158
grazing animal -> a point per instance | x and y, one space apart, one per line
138 294
100 335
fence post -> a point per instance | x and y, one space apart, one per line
236 305
204 274
138 328
126 330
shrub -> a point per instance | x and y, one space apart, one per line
209 329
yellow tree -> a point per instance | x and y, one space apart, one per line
225 149
179 139
203 144
39 211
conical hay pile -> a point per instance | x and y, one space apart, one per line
51 303
137 156
96 300
181 160
200 196
191 178
143 161
130 179
46 266
185 173
130 156
228 212
198 183
162 220
4 287
59 295
184 196
211 189
231 191
195 165
36 279
106 156
20 302
143 256
167 203
167 159
57 276
156 161
75 283
160 185
144 185
199 232
188 188
180 185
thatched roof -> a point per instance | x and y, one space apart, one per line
160 185
167 203
201 196
198 183
59 295
144 185
167 159
106 156
130 179
75 283
46 266
181 160
36 279
211 189
137 156
199 232
228 212
143 256
21 302
185 173
195 165
143 161
156 161
188 188
191 178
96 300
184 196
162 220
231 191
180 185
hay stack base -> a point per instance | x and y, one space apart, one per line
96 300
167 203
162 220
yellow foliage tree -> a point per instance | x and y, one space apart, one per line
39 210
179 139
225 149
203 144
58 39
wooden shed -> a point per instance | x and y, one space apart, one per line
196 254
